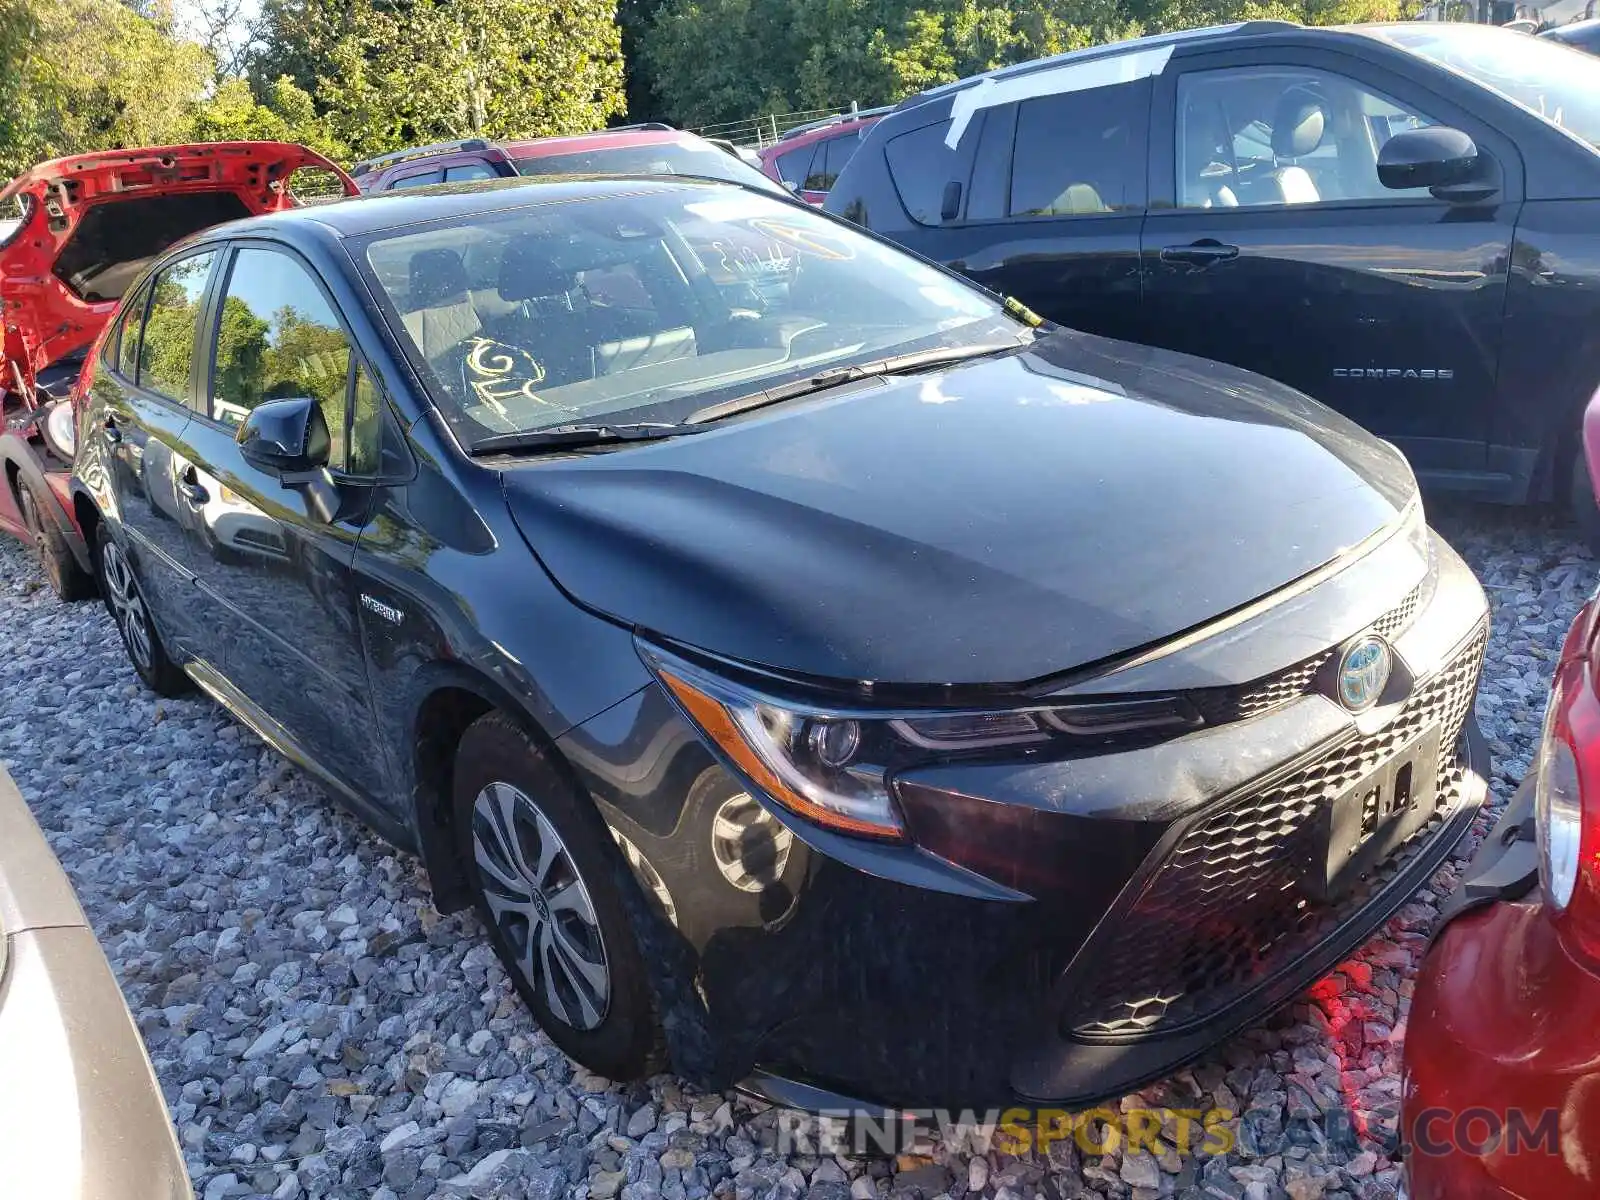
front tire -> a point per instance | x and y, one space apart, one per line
67 579
131 614
547 881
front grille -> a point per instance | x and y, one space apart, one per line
1218 706
1224 912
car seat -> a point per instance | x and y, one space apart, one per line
1298 123
1207 160
440 313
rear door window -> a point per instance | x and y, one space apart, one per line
125 338
421 179
794 166
1080 153
469 171
829 159
166 348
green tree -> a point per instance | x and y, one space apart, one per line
285 114
91 74
390 73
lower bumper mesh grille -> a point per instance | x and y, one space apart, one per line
1224 912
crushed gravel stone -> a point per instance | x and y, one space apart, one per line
319 1030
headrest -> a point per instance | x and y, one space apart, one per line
438 277
1297 123
527 270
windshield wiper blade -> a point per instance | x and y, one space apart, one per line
575 435
897 364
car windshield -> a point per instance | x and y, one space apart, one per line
1552 80
654 304
660 158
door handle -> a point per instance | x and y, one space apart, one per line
190 489
113 434
1201 253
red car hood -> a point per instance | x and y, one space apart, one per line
62 272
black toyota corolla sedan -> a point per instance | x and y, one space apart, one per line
818 673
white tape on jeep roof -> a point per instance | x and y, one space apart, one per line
1068 77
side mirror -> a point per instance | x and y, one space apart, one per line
285 437
1440 158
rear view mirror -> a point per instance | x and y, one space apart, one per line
1440 158
285 437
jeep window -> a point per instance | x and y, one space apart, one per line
621 309
1079 152
1283 135
166 347
921 166
1549 79
116 239
467 172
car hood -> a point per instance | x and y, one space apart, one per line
51 311
996 522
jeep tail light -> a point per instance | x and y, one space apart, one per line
1567 793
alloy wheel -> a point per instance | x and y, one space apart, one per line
127 605
541 905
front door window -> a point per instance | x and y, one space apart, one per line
1251 136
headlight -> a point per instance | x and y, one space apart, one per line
1558 809
831 765
60 429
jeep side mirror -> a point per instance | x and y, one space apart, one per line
1439 158
285 437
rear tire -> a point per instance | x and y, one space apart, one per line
67 579
547 882
130 613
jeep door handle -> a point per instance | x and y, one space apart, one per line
113 434
1201 253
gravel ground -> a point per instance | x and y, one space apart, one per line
320 1030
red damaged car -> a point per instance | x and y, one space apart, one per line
74 234
1501 1098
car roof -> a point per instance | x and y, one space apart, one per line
647 134
599 140
379 211
1108 50
810 135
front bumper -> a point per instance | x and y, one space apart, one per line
1061 931
1502 1060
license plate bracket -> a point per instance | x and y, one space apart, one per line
1374 817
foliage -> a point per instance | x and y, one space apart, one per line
353 78
284 114
709 61
389 74
91 74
